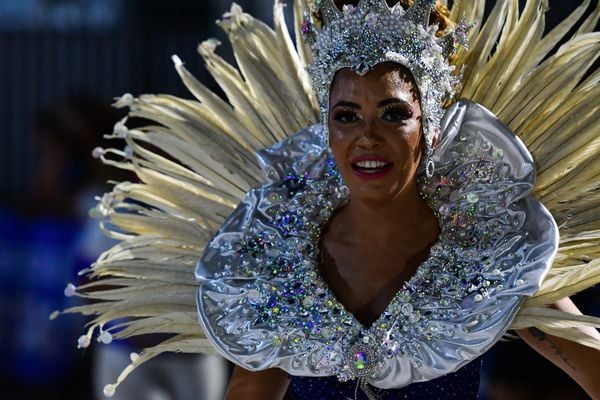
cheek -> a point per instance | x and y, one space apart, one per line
339 154
413 136
414 141
339 141
408 148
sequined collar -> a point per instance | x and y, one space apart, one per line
263 303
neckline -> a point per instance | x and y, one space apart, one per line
316 266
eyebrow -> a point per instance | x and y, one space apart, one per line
392 100
382 103
346 104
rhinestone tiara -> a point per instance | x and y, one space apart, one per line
371 33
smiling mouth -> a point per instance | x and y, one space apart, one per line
371 169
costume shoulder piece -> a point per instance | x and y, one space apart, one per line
263 303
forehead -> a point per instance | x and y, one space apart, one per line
384 80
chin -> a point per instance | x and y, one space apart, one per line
378 192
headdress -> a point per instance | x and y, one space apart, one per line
361 37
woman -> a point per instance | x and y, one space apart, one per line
376 242
348 264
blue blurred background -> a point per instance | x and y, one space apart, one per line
61 64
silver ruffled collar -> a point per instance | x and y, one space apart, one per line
263 303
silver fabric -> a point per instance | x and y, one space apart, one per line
263 303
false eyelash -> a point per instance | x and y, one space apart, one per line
404 109
347 109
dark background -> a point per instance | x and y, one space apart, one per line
61 64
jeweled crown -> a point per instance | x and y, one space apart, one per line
370 33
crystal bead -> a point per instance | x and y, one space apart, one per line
276 341
360 360
308 301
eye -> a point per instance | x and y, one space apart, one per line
346 115
396 112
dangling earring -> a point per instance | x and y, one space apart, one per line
429 164
430 168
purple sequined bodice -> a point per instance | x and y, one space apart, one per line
462 384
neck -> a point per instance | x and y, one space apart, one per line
406 217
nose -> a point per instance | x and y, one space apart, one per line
369 138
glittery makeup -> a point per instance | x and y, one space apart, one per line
346 114
396 112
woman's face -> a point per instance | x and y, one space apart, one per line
375 131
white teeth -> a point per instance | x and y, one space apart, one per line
370 164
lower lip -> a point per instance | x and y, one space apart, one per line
369 176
